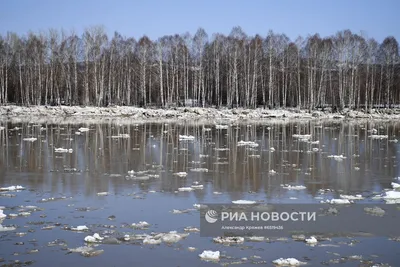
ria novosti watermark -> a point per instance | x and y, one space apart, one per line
285 219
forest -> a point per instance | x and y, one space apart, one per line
58 67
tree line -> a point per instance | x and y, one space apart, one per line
237 70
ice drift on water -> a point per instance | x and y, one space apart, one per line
311 240
336 201
243 202
5 228
287 262
12 188
395 185
228 240
2 215
210 255
93 239
141 224
80 228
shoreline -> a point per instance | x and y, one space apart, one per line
130 114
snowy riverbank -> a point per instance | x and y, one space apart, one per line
122 114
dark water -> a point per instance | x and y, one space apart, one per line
100 163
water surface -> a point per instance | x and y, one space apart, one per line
103 158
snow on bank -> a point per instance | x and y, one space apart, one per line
77 114
12 188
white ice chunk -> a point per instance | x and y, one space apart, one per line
185 189
5 228
102 194
210 255
151 241
243 202
336 201
228 240
141 224
2 215
392 195
350 197
80 228
288 262
12 188
396 186
93 239
311 240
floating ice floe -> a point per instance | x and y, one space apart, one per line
171 237
82 129
93 239
272 172
337 157
120 136
336 201
186 137
5 228
197 186
63 150
228 240
87 251
293 187
377 211
247 143
288 262
244 202
151 241
351 197
191 229
374 136
185 189
12 188
31 139
80 228
102 194
303 137
1 128
392 197
2 215
312 240
210 255
181 174
272 149
141 225
395 185
199 170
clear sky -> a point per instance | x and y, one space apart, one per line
156 18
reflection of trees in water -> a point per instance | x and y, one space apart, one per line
234 169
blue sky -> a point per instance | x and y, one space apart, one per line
153 18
